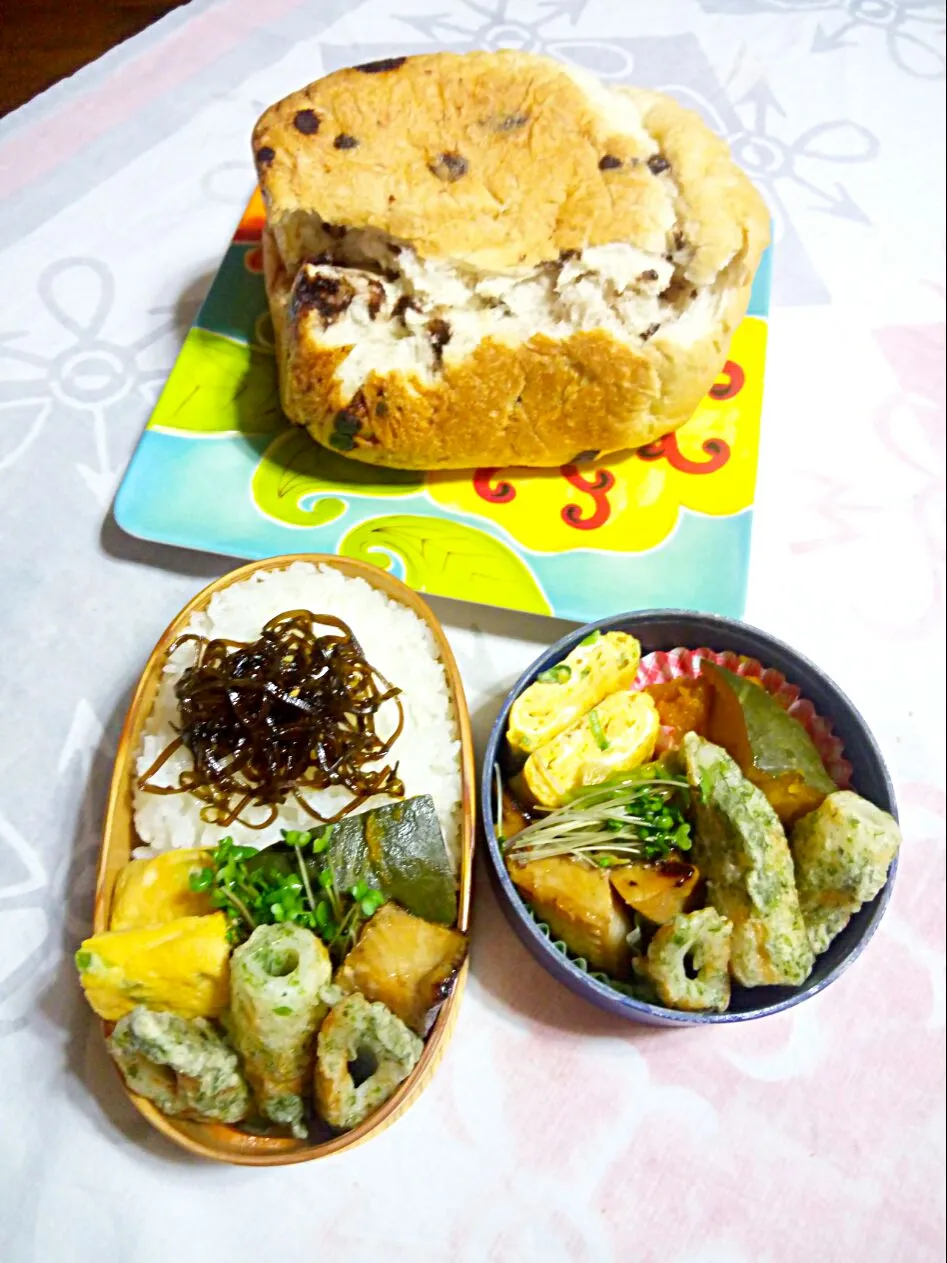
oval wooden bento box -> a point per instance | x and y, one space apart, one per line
217 1141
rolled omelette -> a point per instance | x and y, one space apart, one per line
616 735
276 1007
597 666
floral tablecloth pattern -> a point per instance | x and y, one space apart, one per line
550 1132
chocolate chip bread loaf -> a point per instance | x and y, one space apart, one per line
492 259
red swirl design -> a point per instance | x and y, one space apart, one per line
717 449
501 493
735 377
598 488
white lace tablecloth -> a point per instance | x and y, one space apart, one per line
550 1133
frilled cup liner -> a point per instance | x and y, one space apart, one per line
676 664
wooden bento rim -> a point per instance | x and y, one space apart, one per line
217 1141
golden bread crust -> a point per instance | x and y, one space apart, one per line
720 214
543 402
490 159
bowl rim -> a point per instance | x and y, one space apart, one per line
575 978
211 1139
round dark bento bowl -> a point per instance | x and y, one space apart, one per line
672 629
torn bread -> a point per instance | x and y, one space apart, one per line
491 259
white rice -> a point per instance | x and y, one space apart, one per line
395 641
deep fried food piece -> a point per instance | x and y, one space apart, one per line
354 1031
842 852
704 936
182 1065
276 982
742 850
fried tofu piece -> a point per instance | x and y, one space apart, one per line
578 904
405 963
742 850
842 852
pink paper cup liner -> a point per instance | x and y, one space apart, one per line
679 664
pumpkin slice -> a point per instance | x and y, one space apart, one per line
398 849
773 750
683 706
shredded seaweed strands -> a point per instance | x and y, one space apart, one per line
293 711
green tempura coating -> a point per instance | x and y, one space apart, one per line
741 848
276 1005
703 935
842 852
182 1064
355 1026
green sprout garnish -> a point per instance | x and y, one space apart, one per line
280 887
633 816
591 638
321 841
